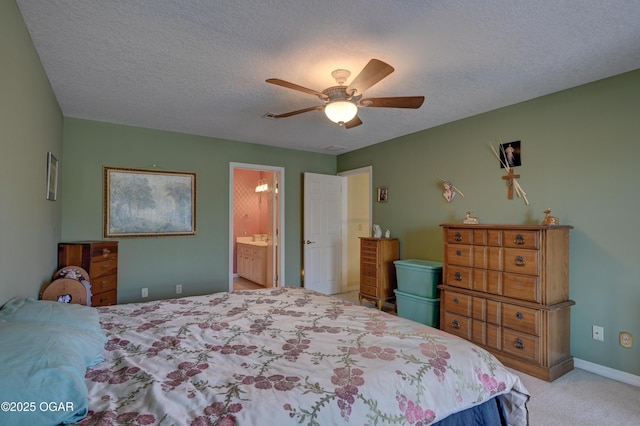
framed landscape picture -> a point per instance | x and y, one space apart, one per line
148 203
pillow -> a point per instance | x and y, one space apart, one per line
76 317
42 368
21 309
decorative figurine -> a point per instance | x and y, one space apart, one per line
470 219
387 234
377 232
548 219
450 191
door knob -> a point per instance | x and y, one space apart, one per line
309 242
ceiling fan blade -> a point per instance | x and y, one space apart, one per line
413 102
355 121
293 86
372 73
299 111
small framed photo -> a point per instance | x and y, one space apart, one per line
383 194
52 177
510 154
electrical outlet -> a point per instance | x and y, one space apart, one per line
598 333
626 339
179 289
145 292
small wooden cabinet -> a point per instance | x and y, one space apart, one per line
506 288
100 260
252 262
377 271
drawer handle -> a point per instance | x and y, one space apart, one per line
457 276
459 252
519 240
106 252
456 324
519 315
519 261
457 236
456 300
518 344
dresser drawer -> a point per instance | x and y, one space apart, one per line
103 251
524 287
368 244
458 276
457 324
105 299
459 236
368 280
368 270
521 239
104 283
368 257
104 267
457 303
459 254
522 261
521 319
522 345
369 290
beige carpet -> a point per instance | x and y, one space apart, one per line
579 398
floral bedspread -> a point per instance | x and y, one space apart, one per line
285 356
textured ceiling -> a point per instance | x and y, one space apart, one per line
200 66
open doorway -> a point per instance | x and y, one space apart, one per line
358 223
256 226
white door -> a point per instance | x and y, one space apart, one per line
322 232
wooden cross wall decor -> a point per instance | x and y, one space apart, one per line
511 176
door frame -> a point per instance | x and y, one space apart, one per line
280 282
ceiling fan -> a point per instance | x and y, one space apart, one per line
341 102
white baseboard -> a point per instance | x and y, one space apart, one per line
610 373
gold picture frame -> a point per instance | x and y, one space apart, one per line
148 203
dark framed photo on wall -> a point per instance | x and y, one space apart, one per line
383 194
510 154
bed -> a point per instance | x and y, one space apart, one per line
287 356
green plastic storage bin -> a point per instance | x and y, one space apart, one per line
419 277
419 309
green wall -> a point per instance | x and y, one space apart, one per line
200 263
30 126
580 153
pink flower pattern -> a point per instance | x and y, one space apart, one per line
415 414
234 339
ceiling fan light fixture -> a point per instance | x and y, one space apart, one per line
340 111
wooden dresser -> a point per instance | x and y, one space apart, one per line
377 271
100 260
506 288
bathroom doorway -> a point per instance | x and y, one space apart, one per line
256 226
